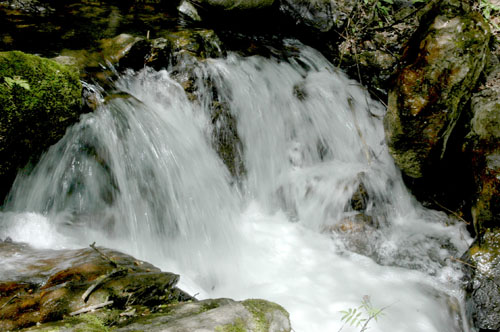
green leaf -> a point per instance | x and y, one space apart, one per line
17 81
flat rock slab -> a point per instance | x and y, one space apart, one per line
46 285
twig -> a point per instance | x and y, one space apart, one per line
99 281
463 262
10 300
91 308
104 256
450 211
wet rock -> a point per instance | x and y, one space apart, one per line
359 199
441 66
187 8
39 99
482 273
51 290
229 5
207 315
169 50
97 64
484 143
219 315
60 283
320 15
226 139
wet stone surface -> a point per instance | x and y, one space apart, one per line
46 285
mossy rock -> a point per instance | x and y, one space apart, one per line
39 99
441 66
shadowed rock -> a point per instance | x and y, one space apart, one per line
441 67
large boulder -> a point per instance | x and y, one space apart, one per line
484 144
482 276
49 285
98 289
39 99
441 66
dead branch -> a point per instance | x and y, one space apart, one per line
91 308
104 256
99 281
10 300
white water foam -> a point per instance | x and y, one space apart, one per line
141 175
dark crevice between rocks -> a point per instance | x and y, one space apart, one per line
449 182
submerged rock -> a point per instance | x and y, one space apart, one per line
483 281
39 99
442 66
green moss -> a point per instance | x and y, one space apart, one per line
259 309
488 250
209 305
89 323
237 326
39 99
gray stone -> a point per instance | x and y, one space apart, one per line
483 281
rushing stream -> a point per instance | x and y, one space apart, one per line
142 175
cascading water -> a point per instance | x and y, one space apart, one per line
142 174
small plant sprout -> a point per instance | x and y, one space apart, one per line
361 316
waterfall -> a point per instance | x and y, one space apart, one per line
270 179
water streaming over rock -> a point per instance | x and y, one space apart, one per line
272 179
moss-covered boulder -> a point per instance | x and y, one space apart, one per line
39 99
441 66
482 272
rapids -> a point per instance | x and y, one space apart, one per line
142 175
